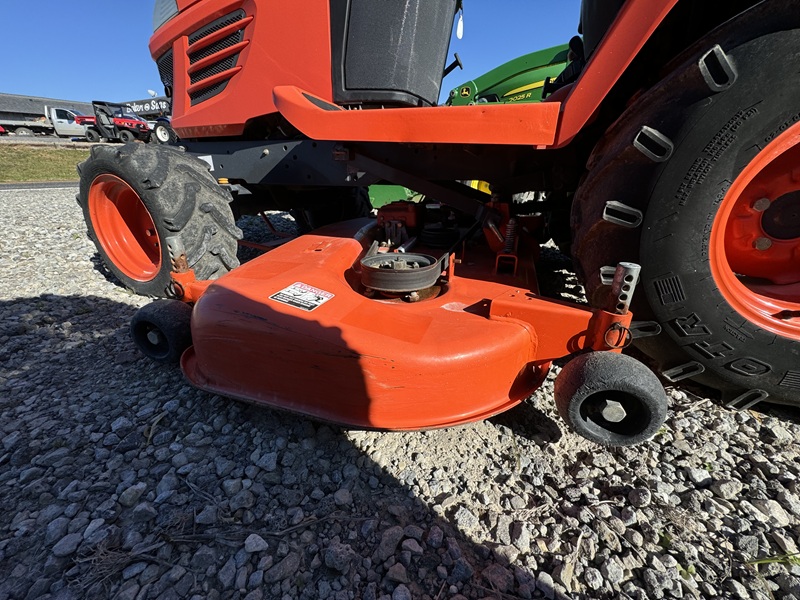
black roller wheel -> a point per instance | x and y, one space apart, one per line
137 199
162 330
610 399
126 136
92 135
697 183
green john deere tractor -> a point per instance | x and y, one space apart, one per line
523 79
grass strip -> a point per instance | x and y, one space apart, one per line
20 163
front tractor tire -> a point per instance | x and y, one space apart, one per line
137 199
698 182
164 134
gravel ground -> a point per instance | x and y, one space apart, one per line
119 480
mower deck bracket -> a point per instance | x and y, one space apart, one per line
558 328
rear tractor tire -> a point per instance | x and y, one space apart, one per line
698 183
137 199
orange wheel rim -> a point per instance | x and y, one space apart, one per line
755 238
124 227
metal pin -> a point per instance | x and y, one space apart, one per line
762 244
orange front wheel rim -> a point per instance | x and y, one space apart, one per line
755 238
124 228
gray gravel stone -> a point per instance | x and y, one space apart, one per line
56 530
144 512
773 510
67 545
435 537
339 556
612 571
244 499
499 578
640 497
397 572
699 477
285 568
401 592
255 543
727 489
204 557
389 541
343 497
546 585
132 494
462 571
207 516
227 574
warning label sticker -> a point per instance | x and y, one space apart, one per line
302 296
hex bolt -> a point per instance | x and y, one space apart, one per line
761 204
762 244
613 411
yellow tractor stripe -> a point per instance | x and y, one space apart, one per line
525 88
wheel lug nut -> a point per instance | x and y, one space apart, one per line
762 244
761 204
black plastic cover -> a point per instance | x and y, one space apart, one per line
389 52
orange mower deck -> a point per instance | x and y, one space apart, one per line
293 329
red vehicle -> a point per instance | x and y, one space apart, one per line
674 148
2 130
114 122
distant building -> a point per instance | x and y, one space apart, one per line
30 108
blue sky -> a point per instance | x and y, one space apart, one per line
97 49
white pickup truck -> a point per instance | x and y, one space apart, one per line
54 121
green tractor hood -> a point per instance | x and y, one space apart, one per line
518 80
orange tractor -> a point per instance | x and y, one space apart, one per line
666 161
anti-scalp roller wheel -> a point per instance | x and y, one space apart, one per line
162 330
611 399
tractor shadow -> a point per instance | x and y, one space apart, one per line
86 417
